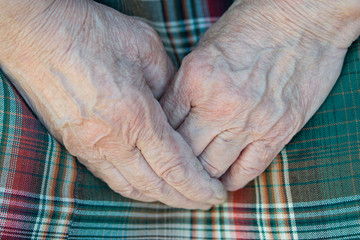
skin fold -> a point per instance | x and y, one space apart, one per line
92 75
256 77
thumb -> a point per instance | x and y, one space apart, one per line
172 159
158 74
176 102
158 68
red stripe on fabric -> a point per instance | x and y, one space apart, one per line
25 169
242 196
217 8
25 174
166 19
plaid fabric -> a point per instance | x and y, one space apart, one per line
310 191
37 175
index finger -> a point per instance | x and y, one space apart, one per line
172 159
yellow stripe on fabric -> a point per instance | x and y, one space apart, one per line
279 197
288 195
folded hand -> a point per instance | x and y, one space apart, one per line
92 75
255 79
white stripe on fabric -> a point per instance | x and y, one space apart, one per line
288 195
40 220
67 190
258 208
229 228
277 193
49 204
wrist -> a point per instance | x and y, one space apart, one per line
22 11
30 25
337 22
16 17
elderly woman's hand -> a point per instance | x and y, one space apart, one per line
257 76
92 74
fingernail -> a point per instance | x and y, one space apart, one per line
221 194
220 197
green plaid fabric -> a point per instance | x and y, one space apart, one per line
310 191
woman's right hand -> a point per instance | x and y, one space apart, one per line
92 75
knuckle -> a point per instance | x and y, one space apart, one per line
248 169
152 187
148 35
97 167
259 159
134 120
83 138
147 29
280 132
126 190
211 90
211 167
175 175
196 67
222 106
232 137
139 121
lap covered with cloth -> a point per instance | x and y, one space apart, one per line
310 191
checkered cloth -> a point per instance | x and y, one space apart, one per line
310 191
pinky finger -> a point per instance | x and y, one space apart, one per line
253 160
107 172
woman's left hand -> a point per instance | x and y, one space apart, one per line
257 76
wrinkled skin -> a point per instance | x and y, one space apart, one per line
255 79
92 75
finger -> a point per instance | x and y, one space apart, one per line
107 172
172 159
197 132
158 72
223 151
141 176
175 103
253 160
158 68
